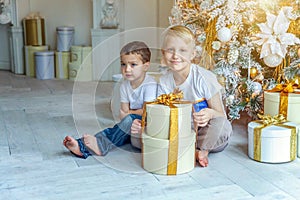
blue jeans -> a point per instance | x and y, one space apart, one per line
109 138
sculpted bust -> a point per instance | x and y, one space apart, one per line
5 9
110 11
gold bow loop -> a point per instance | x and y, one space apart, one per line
167 99
269 120
283 88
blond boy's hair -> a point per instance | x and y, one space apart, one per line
138 48
180 31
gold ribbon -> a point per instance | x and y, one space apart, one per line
284 96
169 100
266 121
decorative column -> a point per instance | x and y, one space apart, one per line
16 49
16 41
105 40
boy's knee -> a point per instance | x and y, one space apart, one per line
222 123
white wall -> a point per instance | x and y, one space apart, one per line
77 13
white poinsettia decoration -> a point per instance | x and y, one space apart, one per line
274 38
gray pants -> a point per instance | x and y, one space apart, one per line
215 135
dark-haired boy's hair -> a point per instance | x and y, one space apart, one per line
137 47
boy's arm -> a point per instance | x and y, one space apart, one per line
216 106
138 111
215 109
124 110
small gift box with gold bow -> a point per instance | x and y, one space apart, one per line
272 140
168 141
283 99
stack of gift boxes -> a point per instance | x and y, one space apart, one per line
275 138
168 143
66 62
34 38
64 41
80 67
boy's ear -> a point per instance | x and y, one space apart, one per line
146 66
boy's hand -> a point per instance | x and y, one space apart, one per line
202 117
136 127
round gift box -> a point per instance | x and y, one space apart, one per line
155 154
62 60
80 72
272 105
81 54
29 58
158 120
44 62
65 38
275 143
34 32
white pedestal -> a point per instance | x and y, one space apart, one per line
105 54
16 50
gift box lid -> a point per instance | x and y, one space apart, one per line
159 109
65 28
273 131
44 53
164 143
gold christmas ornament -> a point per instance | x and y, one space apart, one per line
299 53
221 80
253 72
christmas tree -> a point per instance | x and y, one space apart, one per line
250 45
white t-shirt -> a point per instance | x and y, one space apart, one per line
136 97
200 83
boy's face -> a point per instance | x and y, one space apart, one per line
177 53
133 68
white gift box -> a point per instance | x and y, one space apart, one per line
155 154
277 144
272 102
158 120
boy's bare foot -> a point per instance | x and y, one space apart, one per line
202 158
91 142
71 144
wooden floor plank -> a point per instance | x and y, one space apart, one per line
5 80
20 137
273 173
245 178
49 141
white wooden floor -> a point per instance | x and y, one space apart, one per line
35 116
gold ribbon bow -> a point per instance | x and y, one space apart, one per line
169 100
277 120
269 120
283 88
